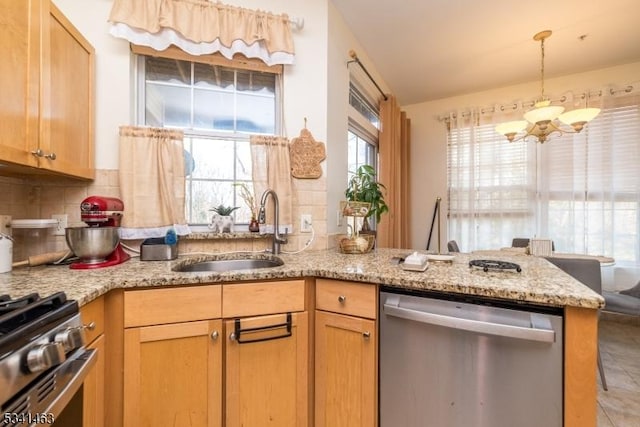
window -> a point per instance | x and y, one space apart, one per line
581 190
217 107
364 122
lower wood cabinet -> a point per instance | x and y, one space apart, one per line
266 369
345 379
173 375
346 368
93 398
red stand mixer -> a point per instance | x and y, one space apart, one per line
98 245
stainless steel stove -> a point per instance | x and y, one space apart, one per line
43 361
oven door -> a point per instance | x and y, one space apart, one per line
43 401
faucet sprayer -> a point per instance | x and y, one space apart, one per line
262 218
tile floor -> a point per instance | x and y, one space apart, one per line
620 351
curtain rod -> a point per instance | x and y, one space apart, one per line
355 59
515 106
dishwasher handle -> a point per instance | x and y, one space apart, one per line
479 326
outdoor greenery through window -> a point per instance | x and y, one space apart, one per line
580 190
217 108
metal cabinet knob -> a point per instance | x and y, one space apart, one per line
38 153
45 356
366 335
51 156
214 335
342 299
91 326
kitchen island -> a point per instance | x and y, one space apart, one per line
539 283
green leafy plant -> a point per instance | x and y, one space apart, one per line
223 210
363 187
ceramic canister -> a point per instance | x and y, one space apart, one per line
6 253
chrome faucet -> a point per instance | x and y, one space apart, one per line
262 219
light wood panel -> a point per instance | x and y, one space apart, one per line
254 299
20 87
580 361
173 375
67 110
114 363
357 299
93 313
171 305
266 382
93 399
346 374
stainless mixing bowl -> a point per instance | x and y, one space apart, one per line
92 244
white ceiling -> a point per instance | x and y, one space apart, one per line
431 49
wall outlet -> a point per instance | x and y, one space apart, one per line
63 222
305 223
5 227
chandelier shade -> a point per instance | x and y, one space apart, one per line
544 119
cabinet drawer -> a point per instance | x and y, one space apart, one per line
171 305
355 299
92 315
255 299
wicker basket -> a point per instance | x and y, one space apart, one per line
353 208
361 244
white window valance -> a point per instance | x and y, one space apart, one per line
202 27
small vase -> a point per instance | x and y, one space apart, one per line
254 227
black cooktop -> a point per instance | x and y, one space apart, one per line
487 264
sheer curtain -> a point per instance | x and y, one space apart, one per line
152 183
491 183
590 183
271 166
580 190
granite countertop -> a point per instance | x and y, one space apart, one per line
539 282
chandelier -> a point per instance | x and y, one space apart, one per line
544 119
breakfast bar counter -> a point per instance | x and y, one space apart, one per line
539 282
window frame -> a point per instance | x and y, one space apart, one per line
238 63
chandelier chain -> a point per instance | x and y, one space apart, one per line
542 68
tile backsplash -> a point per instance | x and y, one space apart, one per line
42 197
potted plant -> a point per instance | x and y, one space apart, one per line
363 187
221 220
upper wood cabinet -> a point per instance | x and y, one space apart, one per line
47 86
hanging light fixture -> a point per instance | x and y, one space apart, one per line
543 119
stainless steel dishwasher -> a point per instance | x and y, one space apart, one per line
475 363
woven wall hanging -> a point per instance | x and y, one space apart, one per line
306 155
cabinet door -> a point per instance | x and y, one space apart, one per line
19 85
346 373
68 112
173 375
266 380
93 399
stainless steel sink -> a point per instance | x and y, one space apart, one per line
230 264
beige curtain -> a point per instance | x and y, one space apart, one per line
393 148
203 27
272 170
152 183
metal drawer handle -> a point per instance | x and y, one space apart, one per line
342 299
38 153
237 334
91 326
51 156
366 335
214 335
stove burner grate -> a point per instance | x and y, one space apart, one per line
487 264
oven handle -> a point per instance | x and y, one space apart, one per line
86 361
478 326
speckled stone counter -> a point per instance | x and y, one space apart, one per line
539 282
